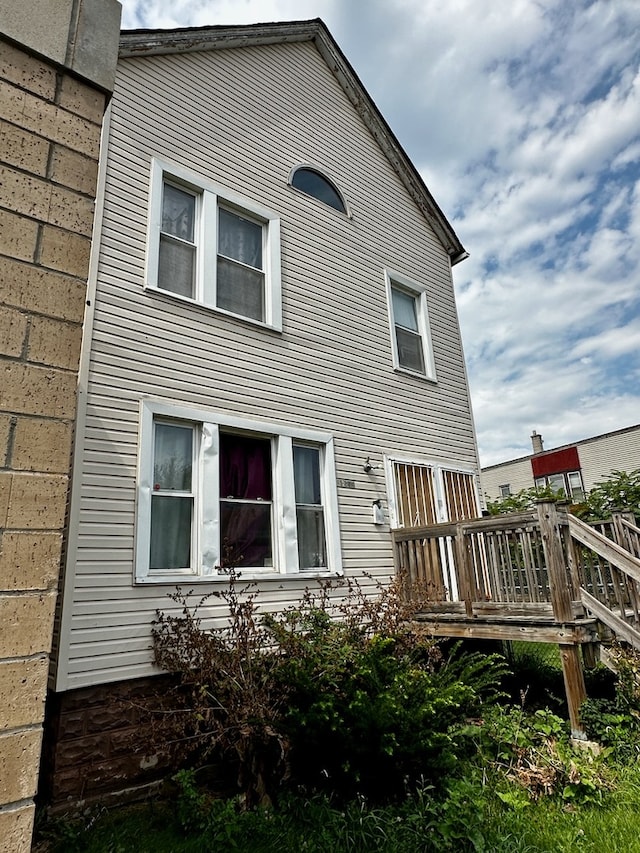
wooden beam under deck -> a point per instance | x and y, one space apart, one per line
509 628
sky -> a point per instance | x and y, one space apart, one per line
523 118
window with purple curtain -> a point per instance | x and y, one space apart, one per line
245 501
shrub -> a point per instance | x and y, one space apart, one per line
341 692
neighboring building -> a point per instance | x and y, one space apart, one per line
576 468
272 372
57 67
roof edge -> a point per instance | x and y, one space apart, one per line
138 43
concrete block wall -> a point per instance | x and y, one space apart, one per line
51 113
95 744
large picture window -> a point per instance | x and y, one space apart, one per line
209 245
216 493
409 321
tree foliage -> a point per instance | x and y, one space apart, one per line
620 490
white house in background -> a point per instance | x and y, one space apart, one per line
272 369
576 467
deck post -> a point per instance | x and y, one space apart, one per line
465 581
574 686
559 587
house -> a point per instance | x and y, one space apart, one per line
272 374
575 468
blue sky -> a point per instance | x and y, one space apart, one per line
523 117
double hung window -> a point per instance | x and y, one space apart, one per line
209 245
218 493
569 483
409 321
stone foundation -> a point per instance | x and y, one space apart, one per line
93 748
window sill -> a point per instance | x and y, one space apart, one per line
223 577
404 371
157 292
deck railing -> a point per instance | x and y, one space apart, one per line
544 568
537 560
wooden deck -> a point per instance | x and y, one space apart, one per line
543 576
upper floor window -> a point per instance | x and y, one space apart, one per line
212 246
217 492
315 184
409 321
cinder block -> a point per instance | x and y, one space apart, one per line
74 170
41 445
19 760
81 99
37 502
65 252
16 828
71 211
18 236
27 624
54 342
24 149
25 194
43 291
71 725
28 389
84 750
77 133
26 71
13 328
48 120
29 560
22 691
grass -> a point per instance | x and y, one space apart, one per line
476 820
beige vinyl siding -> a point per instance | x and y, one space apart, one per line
243 118
616 451
518 474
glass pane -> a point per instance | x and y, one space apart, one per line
245 467
575 486
176 266
173 456
170 532
245 534
239 238
409 350
240 290
311 543
178 212
556 482
318 186
404 310
306 474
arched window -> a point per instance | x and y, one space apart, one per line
313 183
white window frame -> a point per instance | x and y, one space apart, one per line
419 293
206 514
209 197
544 482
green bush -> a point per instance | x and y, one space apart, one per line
339 693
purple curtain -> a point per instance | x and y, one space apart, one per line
245 481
